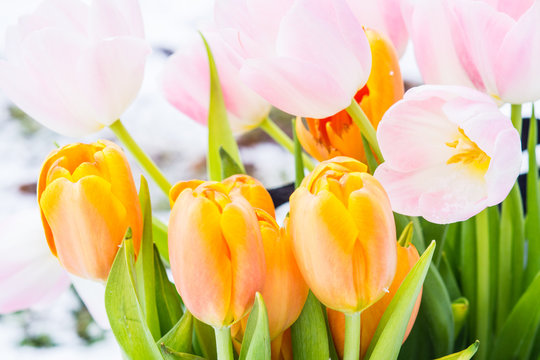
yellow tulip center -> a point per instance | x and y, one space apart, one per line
468 153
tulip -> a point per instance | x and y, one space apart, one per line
449 151
385 17
305 57
75 65
338 134
186 84
406 258
29 274
252 190
478 44
344 237
216 252
88 200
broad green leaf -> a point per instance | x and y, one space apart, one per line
124 311
406 235
468 268
417 345
466 354
449 278
388 337
308 333
298 160
436 309
178 339
159 230
452 246
170 354
206 339
144 265
256 342
331 345
516 338
228 166
418 238
484 308
460 309
435 232
532 220
219 130
518 243
168 302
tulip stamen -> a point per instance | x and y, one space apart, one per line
468 153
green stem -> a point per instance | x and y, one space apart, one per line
270 127
366 128
142 158
483 308
224 343
352 336
516 116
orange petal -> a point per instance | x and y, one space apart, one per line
199 258
77 212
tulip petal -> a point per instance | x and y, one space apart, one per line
241 232
197 250
75 210
520 46
328 234
29 274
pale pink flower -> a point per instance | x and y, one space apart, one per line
491 45
75 65
306 57
186 84
385 17
449 153
29 274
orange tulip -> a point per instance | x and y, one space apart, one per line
406 259
344 236
252 190
216 251
338 135
88 200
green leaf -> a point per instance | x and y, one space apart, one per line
460 309
418 238
518 243
219 130
468 268
298 160
436 309
159 230
516 338
308 333
124 311
435 232
229 167
178 339
169 304
371 162
145 265
170 354
206 339
256 343
388 337
532 220
447 274
466 354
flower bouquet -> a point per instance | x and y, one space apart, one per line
406 234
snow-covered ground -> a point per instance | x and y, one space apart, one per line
176 143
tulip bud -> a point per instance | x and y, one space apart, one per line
216 252
88 200
338 134
406 259
344 237
252 190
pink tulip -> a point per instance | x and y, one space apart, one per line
186 84
75 65
491 45
385 17
29 274
306 57
449 153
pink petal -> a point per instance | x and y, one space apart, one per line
514 8
517 68
29 274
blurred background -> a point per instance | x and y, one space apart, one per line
62 328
